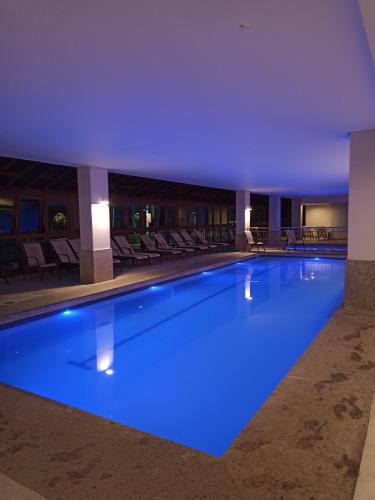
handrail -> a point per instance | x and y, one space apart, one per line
333 236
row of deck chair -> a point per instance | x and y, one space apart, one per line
67 251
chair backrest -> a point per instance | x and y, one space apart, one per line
75 243
290 236
249 237
186 236
147 241
123 244
201 237
161 241
34 254
177 238
63 251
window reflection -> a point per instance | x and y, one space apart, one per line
193 216
104 318
248 286
134 216
57 215
150 216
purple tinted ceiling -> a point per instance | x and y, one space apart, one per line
177 90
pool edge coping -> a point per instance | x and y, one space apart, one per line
49 309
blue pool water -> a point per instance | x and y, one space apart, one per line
191 360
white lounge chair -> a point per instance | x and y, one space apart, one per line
204 241
64 252
75 243
182 244
126 254
250 242
291 240
35 259
126 250
151 247
190 242
163 245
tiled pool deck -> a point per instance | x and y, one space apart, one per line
305 442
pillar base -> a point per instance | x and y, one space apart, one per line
240 242
96 265
360 285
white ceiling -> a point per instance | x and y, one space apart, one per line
176 89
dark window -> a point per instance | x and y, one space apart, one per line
76 215
286 212
260 209
231 216
171 215
210 216
6 216
57 215
160 215
117 216
182 216
202 216
8 253
30 216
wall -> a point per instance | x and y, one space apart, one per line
329 214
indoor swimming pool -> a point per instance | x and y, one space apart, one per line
191 360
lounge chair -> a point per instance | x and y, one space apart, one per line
35 259
3 276
188 239
163 245
64 253
125 253
203 240
183 238
125 247
151 247
75 243
250 242
291 240
181 244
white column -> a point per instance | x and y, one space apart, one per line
360 269
274 220
243 213
96 262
